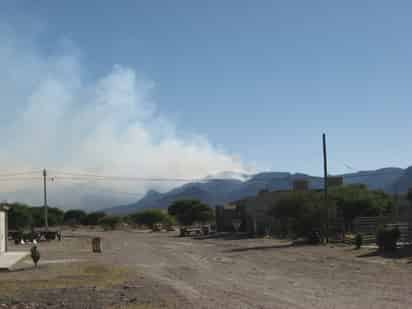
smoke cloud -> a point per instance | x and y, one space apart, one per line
53 115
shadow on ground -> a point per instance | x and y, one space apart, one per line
225 236
261 248
5 270
400 253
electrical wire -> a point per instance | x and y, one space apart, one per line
20 179
19 173
68 176
95 177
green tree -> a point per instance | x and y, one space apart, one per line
94 218
169 220
356 200
188 212
55 216
19 216
149 217
300 213
74 216
23 216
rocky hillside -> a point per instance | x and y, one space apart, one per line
217 191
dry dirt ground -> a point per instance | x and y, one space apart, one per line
161 270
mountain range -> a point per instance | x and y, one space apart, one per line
232 186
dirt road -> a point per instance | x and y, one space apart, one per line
253 273
249 273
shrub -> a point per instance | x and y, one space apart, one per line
109 222
94 218
74 217
149 217
386 239
358 241
169 220
301 214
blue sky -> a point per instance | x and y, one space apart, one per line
260 79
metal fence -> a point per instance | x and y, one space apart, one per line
368 227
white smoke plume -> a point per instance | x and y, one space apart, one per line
53 115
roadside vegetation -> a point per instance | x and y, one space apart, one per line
184 212
299 214
188 212
296 214
109 223
21 216
150 217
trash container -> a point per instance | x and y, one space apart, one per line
97 245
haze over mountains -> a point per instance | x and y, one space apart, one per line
232 186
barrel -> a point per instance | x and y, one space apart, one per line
97 245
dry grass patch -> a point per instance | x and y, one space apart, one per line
63 276
133 306
142 306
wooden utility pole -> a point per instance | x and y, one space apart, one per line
325 167
46 211
325 183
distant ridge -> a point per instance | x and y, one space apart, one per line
228 186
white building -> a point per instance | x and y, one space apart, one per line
3 229
7 259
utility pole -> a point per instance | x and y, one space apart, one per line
325 182
325 167
46 211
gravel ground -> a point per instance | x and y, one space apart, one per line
161 270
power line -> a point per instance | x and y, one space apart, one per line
107 190
82 176
19 174
161 179
20 179
59 175
349 167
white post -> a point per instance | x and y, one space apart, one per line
3 232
